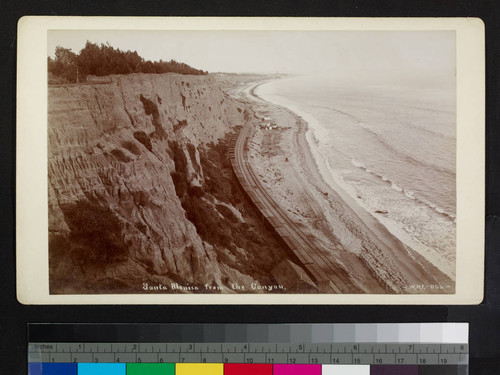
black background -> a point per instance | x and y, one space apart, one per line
484 319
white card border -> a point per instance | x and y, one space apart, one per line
31 172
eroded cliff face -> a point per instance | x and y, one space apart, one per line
140 190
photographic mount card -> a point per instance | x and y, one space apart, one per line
238 160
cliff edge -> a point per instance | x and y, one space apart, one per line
141 194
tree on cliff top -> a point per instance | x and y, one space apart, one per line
64 65
105 60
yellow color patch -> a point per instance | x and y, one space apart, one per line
199 369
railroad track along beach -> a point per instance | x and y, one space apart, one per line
339 245
328 276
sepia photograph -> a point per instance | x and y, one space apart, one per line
263 162
307 162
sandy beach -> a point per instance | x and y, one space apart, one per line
375 260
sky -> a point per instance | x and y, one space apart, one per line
290 52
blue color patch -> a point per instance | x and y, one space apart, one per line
102 369
52 368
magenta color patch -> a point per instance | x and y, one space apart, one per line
296 369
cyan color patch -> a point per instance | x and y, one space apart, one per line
102 369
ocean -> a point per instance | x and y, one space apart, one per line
391 145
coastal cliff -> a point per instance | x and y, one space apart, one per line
141 193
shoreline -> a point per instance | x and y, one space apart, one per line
357 231
434 243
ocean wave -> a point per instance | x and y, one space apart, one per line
411 160
394 185
408 193
358 164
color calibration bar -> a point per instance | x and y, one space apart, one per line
206 349
236 369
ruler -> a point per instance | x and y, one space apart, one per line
305 353
431 346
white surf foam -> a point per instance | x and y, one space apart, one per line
319 139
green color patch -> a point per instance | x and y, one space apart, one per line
150 369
